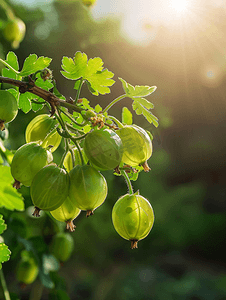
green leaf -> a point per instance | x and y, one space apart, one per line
33 64
98 79
140 109
35 106
3 226
12 60
4 251
85 104
87 128
127 117
24 103
98 108
9 197
138 90
45 85
140 104
144 102
4 254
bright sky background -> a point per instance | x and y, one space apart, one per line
139 16
141 20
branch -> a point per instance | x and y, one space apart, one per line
49 97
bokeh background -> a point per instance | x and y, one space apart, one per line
180 47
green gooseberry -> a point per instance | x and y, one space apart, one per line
103 148
137 146
27 161
8 108
68 159
49 188
133 217
42 129
88 188
67 212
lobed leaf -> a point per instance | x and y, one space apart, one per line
138 90
141 109
24 103
12 60
33 64
3 226
98 80
4 254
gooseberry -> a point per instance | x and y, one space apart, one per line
42 129
137 146
49 188
103 148
27 271
133 217
27 161
14 32
88 188
68 159
8 108
67 212
62 246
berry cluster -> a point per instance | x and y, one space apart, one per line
94 141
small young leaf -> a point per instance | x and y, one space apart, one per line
33 64
127 117
98 108
98 80
85 104
138 90
4 254
46 85
87 128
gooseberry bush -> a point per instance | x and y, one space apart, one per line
93 140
